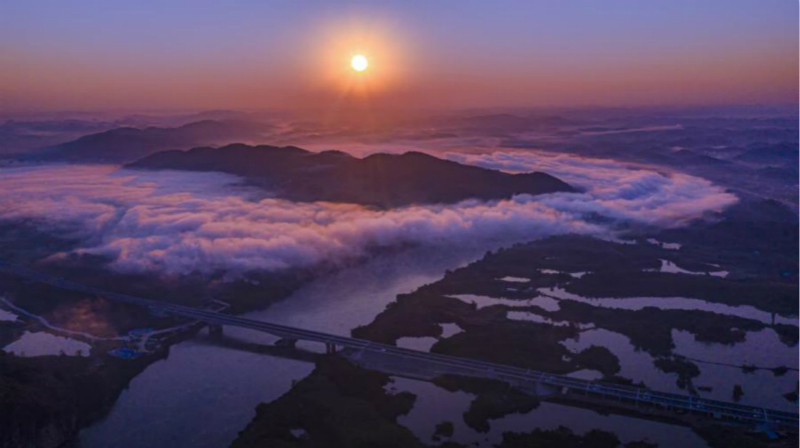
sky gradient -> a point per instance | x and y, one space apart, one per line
252 54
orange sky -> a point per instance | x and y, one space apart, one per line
149 57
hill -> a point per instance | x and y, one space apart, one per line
126 144
381 180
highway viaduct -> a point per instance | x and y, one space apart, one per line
643 400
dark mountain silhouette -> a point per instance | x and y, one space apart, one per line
18 137
126 144
382 180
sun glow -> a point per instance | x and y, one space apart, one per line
359 63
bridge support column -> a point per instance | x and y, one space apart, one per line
330 348
286 342
215 330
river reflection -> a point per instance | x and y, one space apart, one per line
203 394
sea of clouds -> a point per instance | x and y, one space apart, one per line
180 222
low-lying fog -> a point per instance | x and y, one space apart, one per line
179 222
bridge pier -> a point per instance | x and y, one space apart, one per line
215 330
286 342
330 348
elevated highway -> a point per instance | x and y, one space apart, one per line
641 399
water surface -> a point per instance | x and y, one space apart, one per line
203 394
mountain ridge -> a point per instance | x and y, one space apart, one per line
127 143
381 180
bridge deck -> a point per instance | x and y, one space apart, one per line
471 367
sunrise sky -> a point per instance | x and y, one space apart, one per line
150 55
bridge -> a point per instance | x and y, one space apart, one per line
640 399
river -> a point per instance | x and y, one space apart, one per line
204 393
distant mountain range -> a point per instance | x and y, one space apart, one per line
17 137
380 180
126 144
503 124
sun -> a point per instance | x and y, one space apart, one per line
359 63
